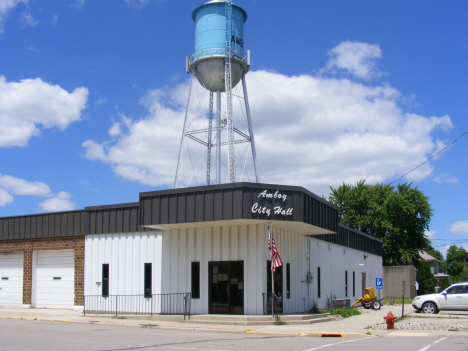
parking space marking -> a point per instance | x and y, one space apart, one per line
430 345
337 343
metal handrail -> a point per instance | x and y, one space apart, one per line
267 304
171 303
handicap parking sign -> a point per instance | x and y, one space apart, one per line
378 283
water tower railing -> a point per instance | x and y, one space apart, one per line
213 52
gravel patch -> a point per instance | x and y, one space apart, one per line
441 326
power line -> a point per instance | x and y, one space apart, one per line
438 152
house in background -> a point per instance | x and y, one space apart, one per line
465 260
434 264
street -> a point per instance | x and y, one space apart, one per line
23 335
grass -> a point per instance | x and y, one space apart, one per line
345 312
148 325
398 301
279 322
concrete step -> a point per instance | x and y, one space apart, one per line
257 320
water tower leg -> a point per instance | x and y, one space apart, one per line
218 137
184 130
208 151
249 121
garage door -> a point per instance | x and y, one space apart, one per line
55 279
11 279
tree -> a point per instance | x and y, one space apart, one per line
444 283
425 278
399 216
438 255
455 261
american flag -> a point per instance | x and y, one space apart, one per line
274 255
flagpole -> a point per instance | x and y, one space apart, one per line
272 279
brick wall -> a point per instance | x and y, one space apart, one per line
27 246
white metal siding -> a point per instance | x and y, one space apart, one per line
126 254
11 279
172 253
54 279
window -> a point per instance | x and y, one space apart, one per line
148 285
105 279
318 281
354 284
195 280
288 280
346 283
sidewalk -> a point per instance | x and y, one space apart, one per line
353 326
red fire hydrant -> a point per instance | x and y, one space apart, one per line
390 319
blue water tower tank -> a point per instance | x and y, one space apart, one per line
207 62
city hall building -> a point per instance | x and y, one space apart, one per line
208 244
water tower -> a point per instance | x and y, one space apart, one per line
217 65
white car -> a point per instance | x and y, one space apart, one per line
454 297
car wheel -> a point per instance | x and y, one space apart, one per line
430 307
376 305
366 306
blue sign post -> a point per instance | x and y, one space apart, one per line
378 284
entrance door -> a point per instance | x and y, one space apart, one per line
278 279
226 289
363 284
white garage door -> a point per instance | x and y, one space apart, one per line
55 279
11 279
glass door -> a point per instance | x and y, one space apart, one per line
226 287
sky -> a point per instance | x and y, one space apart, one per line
93 95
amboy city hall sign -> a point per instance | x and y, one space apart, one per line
277 210
305 211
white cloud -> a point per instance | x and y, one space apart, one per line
78 3
19 186
5 198
27 20
357 58
430 234
137 3
445 178
10 186
30 105
459 228
59 202
5 7
309 130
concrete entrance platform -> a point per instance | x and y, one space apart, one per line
290 319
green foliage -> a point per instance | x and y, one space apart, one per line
444 283
425 278
314 309
463 277
345 312
455 261
279 322
399 216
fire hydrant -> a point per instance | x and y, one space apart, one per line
390 319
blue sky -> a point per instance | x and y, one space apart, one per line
92 96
